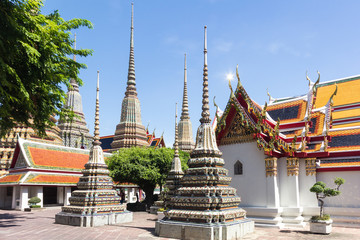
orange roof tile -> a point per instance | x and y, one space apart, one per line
346 113
354 124
11 178
60 159
54 179
348 92
339 164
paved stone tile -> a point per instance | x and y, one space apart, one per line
40 225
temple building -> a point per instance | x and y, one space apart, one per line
205 206
44 170
277 151
130 131
186 141
75 132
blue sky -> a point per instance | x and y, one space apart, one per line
274 43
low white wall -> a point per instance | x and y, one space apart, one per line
350 191
251 186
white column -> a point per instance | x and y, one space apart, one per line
24 197
67 195
292 183
272 189
307 178
13 202
290 199
60 195
40 194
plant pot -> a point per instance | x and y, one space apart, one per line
321 226
160 215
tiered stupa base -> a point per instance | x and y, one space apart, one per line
213 231
93 220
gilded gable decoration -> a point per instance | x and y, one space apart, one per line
237 132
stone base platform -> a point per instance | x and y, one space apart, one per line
93 220
193 231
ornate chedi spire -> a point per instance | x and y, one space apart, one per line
176 173
186 142
130 131
205 201
75 132
95 203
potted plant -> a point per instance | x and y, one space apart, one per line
323 223
34 201
160 213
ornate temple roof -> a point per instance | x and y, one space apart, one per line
324 123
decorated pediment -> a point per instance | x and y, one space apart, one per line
237 132
20 161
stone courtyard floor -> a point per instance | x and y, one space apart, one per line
16 225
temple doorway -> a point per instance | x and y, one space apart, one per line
50 195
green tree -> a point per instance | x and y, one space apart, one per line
322 192
146 167
34 63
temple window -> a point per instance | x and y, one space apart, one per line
238 168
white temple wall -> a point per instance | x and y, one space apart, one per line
307 198
251 185
345 208
350 191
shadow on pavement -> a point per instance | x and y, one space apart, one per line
9 220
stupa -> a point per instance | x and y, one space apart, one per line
186 141
130 131
176 173
205 206
95 203
75 132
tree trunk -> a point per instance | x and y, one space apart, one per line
321 208
149 199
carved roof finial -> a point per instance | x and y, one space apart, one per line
332 96
237 76
96 127
205 115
